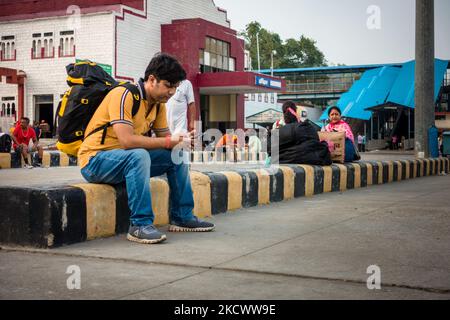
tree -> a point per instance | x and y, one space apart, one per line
268 42
291 53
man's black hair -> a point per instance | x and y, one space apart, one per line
334 108
165 67
26 119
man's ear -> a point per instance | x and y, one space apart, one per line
152 80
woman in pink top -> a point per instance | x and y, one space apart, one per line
338 125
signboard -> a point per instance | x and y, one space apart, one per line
267 82
106 67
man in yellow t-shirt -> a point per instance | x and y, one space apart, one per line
129 154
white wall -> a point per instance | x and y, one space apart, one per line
139 39
93 40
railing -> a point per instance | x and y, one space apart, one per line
237 156
318 87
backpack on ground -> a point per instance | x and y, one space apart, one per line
89 84
5 143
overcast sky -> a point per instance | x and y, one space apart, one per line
340 27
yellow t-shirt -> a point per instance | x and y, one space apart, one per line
117 108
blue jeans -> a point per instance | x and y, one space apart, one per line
135 167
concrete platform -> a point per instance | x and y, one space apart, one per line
51 211
307 248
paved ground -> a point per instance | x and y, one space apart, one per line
308 248
71 175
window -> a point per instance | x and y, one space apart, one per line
266 98
253 97
42 46
7 48
8 107
216 56
259 97
232 63
272 98
66 44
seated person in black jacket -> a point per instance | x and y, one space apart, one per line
299 142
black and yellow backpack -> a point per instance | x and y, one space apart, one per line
89 84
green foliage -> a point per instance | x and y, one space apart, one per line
291 53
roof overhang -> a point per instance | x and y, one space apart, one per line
12 76
222 83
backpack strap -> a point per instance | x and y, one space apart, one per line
136 104
136 96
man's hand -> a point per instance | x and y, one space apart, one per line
176 139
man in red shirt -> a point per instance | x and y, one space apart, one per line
21 137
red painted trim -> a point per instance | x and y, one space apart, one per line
33 57
122 18
12 59
12 77
27 9
21 102
60 13
233 79
67 55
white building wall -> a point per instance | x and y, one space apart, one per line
7 90
93 39
139 39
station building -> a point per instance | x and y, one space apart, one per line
39 38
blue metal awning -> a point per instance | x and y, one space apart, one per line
388 84
371 90
402 91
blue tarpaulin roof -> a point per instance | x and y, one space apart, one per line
382 85
402 91
371 90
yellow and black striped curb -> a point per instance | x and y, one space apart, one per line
13 160
50 159
54 216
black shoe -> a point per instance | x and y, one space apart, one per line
194 225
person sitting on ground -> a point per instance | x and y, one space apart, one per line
228 140
395 142
37 130
338 125
129 155
254 143
299 141
45 129
21 136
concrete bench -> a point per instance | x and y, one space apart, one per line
51 216
60 159
50 159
